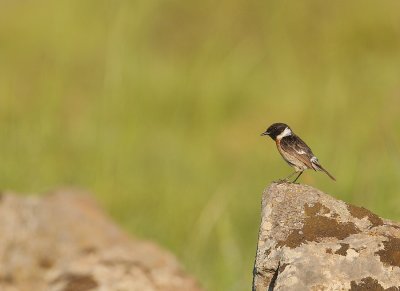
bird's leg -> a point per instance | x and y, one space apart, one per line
297 177
286 179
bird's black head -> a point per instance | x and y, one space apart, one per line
275 129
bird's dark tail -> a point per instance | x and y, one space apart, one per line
318 167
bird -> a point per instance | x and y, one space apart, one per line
294 150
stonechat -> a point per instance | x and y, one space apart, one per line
294 150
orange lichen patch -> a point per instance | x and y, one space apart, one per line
45 263
361 212
343 250
78 282
390 254
317 208
316 227
370 283
6 279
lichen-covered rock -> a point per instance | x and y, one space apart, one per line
309 240
64 242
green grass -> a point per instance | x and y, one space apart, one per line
157 106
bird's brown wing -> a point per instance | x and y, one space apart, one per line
294 146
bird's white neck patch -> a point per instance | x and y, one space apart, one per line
284 133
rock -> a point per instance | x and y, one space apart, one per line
64 242
309 240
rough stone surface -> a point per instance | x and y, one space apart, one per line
64 242
309 240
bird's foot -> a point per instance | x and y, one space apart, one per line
281 181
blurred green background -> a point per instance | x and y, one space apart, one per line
157 108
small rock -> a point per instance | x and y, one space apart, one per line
64 242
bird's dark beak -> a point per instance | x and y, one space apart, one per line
265 133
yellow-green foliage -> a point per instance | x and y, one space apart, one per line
157 106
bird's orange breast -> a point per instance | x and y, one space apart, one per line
278 146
